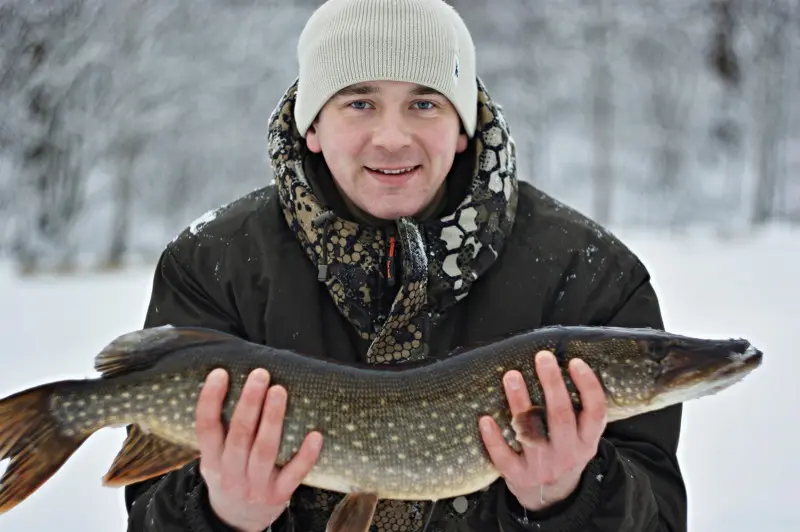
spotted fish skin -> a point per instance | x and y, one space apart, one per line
409 434
406 432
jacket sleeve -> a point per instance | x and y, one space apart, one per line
178 501
634 483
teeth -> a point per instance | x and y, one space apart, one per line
393 172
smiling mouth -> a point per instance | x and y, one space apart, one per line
392 171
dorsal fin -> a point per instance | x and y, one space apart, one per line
141 349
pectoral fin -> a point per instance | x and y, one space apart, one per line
353 514
146 456
530 426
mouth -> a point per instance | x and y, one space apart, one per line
393 175
740 363
749 356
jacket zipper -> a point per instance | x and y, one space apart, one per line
385 295
390 256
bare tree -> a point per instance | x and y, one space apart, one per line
598 31
127 143
726 128
771 24
664 56
37 83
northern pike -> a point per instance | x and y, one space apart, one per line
389 432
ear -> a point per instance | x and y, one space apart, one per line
462 142
312 140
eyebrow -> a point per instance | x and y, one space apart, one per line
363 90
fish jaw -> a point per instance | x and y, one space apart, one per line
697 370
692 372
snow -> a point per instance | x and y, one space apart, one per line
197 225
738 448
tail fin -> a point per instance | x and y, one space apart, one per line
31 438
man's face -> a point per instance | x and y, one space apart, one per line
389 145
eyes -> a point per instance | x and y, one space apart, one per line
659 350
422 105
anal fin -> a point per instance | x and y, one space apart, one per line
353 513
146 456
530 426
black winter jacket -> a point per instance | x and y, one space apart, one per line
244 273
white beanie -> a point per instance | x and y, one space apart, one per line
346 42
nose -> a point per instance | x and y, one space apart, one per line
391 132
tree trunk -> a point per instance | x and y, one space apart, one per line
123 202
772 125
602 116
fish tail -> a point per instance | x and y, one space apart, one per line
34 442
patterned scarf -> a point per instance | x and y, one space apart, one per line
441 258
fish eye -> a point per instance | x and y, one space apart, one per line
659 350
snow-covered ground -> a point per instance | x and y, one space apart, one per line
739 449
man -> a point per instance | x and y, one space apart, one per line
398 229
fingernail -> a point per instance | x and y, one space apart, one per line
580 366
316 443
216 377
259 376
514 381
546 358
485 424
275 396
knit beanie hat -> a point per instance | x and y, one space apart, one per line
417 41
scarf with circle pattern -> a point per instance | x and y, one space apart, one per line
441 258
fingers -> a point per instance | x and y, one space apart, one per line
243 425
561 421
293 473
268 439
557 464
208 426
514 465
592 418
244 486
507 462
516 392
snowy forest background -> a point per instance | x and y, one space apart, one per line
121 122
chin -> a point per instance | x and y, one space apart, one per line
392 212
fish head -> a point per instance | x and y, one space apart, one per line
642 370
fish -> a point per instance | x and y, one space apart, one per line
404 431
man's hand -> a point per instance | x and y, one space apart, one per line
245 488
547 472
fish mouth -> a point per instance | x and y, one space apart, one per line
711 367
